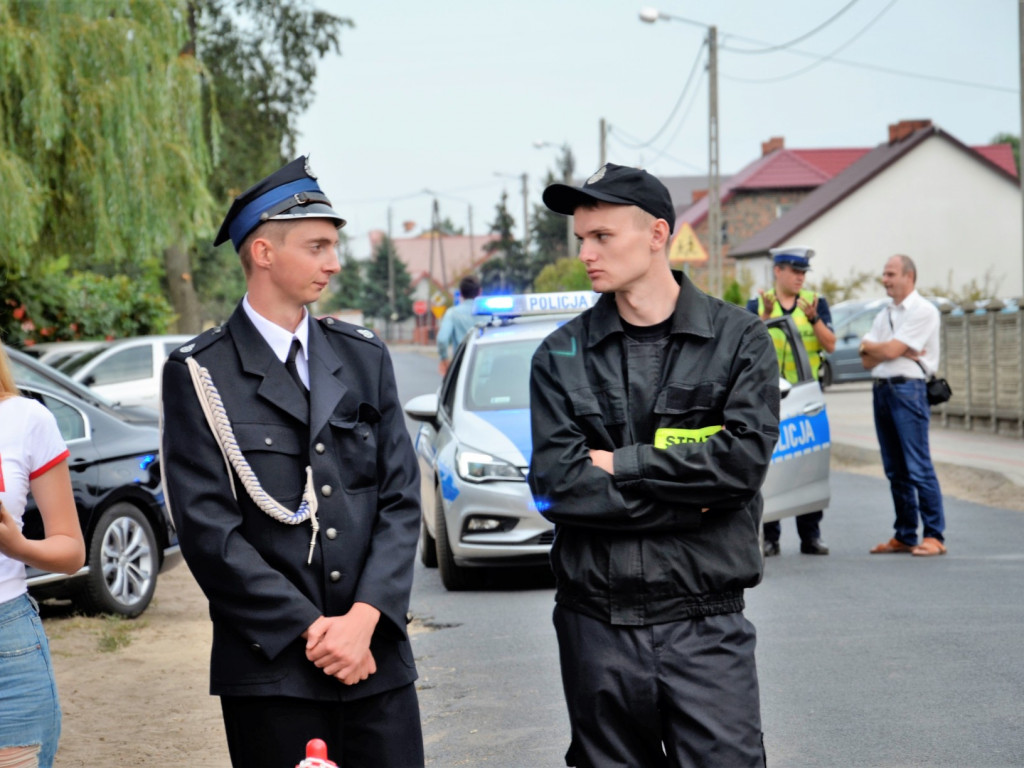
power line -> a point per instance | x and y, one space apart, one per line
822 60
860 65
679 127
795 40
675 108
612 132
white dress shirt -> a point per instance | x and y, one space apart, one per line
915 322
280 340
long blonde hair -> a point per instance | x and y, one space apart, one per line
7 386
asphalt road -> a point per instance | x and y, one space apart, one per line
864 660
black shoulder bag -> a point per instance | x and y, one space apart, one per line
938 389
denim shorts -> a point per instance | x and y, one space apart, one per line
29 709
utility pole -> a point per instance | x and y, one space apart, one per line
714 203
603 140
391 279
526 215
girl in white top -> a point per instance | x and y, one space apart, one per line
33 458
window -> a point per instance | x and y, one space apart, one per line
793 365
128 364
500 376
70 420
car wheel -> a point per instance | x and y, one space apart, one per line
454 577
428 547
124 560
826 375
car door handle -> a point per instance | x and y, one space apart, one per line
813 409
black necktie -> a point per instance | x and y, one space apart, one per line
292 369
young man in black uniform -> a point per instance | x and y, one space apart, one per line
293 484
654 415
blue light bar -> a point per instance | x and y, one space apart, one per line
517 305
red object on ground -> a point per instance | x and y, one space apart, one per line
316 756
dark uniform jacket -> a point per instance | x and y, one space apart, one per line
253 569
635 548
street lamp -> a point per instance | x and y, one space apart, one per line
570 235
651 15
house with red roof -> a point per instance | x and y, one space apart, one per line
762 191
954 209
435 264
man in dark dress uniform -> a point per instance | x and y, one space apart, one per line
293 484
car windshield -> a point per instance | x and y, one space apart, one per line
499 376
75 363
27 370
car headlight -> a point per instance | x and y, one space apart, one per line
480 467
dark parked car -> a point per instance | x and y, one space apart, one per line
850 321
29 371
115 476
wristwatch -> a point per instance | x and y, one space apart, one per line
815 319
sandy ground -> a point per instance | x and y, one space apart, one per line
134 693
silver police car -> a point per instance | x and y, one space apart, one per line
474 444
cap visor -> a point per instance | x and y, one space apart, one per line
561 198
311 211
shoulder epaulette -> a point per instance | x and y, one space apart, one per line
348 329
202 341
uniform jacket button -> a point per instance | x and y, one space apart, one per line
335 576
256 647
268 441
326 490
319 448
331 533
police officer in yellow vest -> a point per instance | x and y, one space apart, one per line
814 320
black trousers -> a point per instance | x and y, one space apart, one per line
380 731
679 695
806 527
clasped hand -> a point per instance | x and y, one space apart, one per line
340 645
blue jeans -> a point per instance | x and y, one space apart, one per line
29 710
902 416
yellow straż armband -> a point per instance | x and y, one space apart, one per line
668 436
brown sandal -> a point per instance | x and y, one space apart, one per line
929 547
890 547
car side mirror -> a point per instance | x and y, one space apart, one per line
784 387
422 408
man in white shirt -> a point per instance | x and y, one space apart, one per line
901 350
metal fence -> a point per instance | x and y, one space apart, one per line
983 361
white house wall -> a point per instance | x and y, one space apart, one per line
959 220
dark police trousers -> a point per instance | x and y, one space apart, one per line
679 695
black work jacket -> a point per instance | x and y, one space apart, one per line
263 595
634 548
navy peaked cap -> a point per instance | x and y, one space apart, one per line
288 193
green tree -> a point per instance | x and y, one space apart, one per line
563 275
548 230
347 287
374 297
1013 141
103 155
507 270
836 291
259 59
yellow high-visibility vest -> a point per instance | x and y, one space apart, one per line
787 361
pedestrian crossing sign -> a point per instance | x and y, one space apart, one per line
686 248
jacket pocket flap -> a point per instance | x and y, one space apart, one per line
681 399
274 438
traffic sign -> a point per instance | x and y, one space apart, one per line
686 247
419 307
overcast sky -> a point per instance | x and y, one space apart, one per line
442 96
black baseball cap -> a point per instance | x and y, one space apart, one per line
619 184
